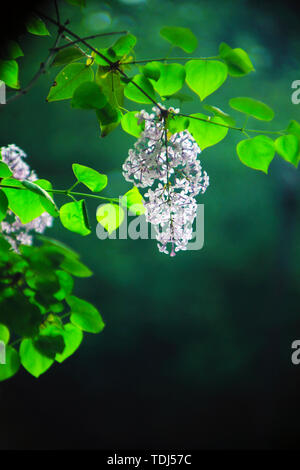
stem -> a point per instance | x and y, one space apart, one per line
42 69
65 192
241 129
169 58
71 43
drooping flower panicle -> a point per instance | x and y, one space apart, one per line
14 231
172 162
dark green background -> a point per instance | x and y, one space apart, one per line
196 351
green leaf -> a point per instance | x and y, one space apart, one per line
257 153
68 79
133 200
77 3
11 50
294 128
72 216
20 316
177 123
180 37
109 118
37 189
110 216
48 204
207 134
123 45
237 60
66 284
151 70
218 112
3 205
84 315
50 341
24 203
67 55
129 123
72 336
76 268
36 26
9 73
287 146
94 180
253 108
88 96
12 364
5 171
111 86
32 360
134 94
4 334
171 78
205 76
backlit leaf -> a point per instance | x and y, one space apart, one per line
88 96
287 146
32 360
257 153
73 218
37 26
9 73
205 76
134 94
94 180
253 108
129 123
84 315
207 134
237 60
12 364
110 216
68 79
180 37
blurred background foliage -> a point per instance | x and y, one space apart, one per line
196 351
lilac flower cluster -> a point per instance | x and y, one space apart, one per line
171 161
14 231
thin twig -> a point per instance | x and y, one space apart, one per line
71 43
141 61
43 67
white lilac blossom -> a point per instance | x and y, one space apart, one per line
14 231
172 162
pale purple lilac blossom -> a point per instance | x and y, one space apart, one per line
14 231
173 164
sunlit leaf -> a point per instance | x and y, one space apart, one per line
133 200
72 336
205 76
38 189
253 108
124 44
237 60
12 364
205 133
287 146
4 334
67 55
68 79
84 315
32 360
177 123
294 128
129 123
3 205
5 171
171 78
180 37
9 73
94 180
24 203
36 26
72 216
110 216
257 153
134 94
